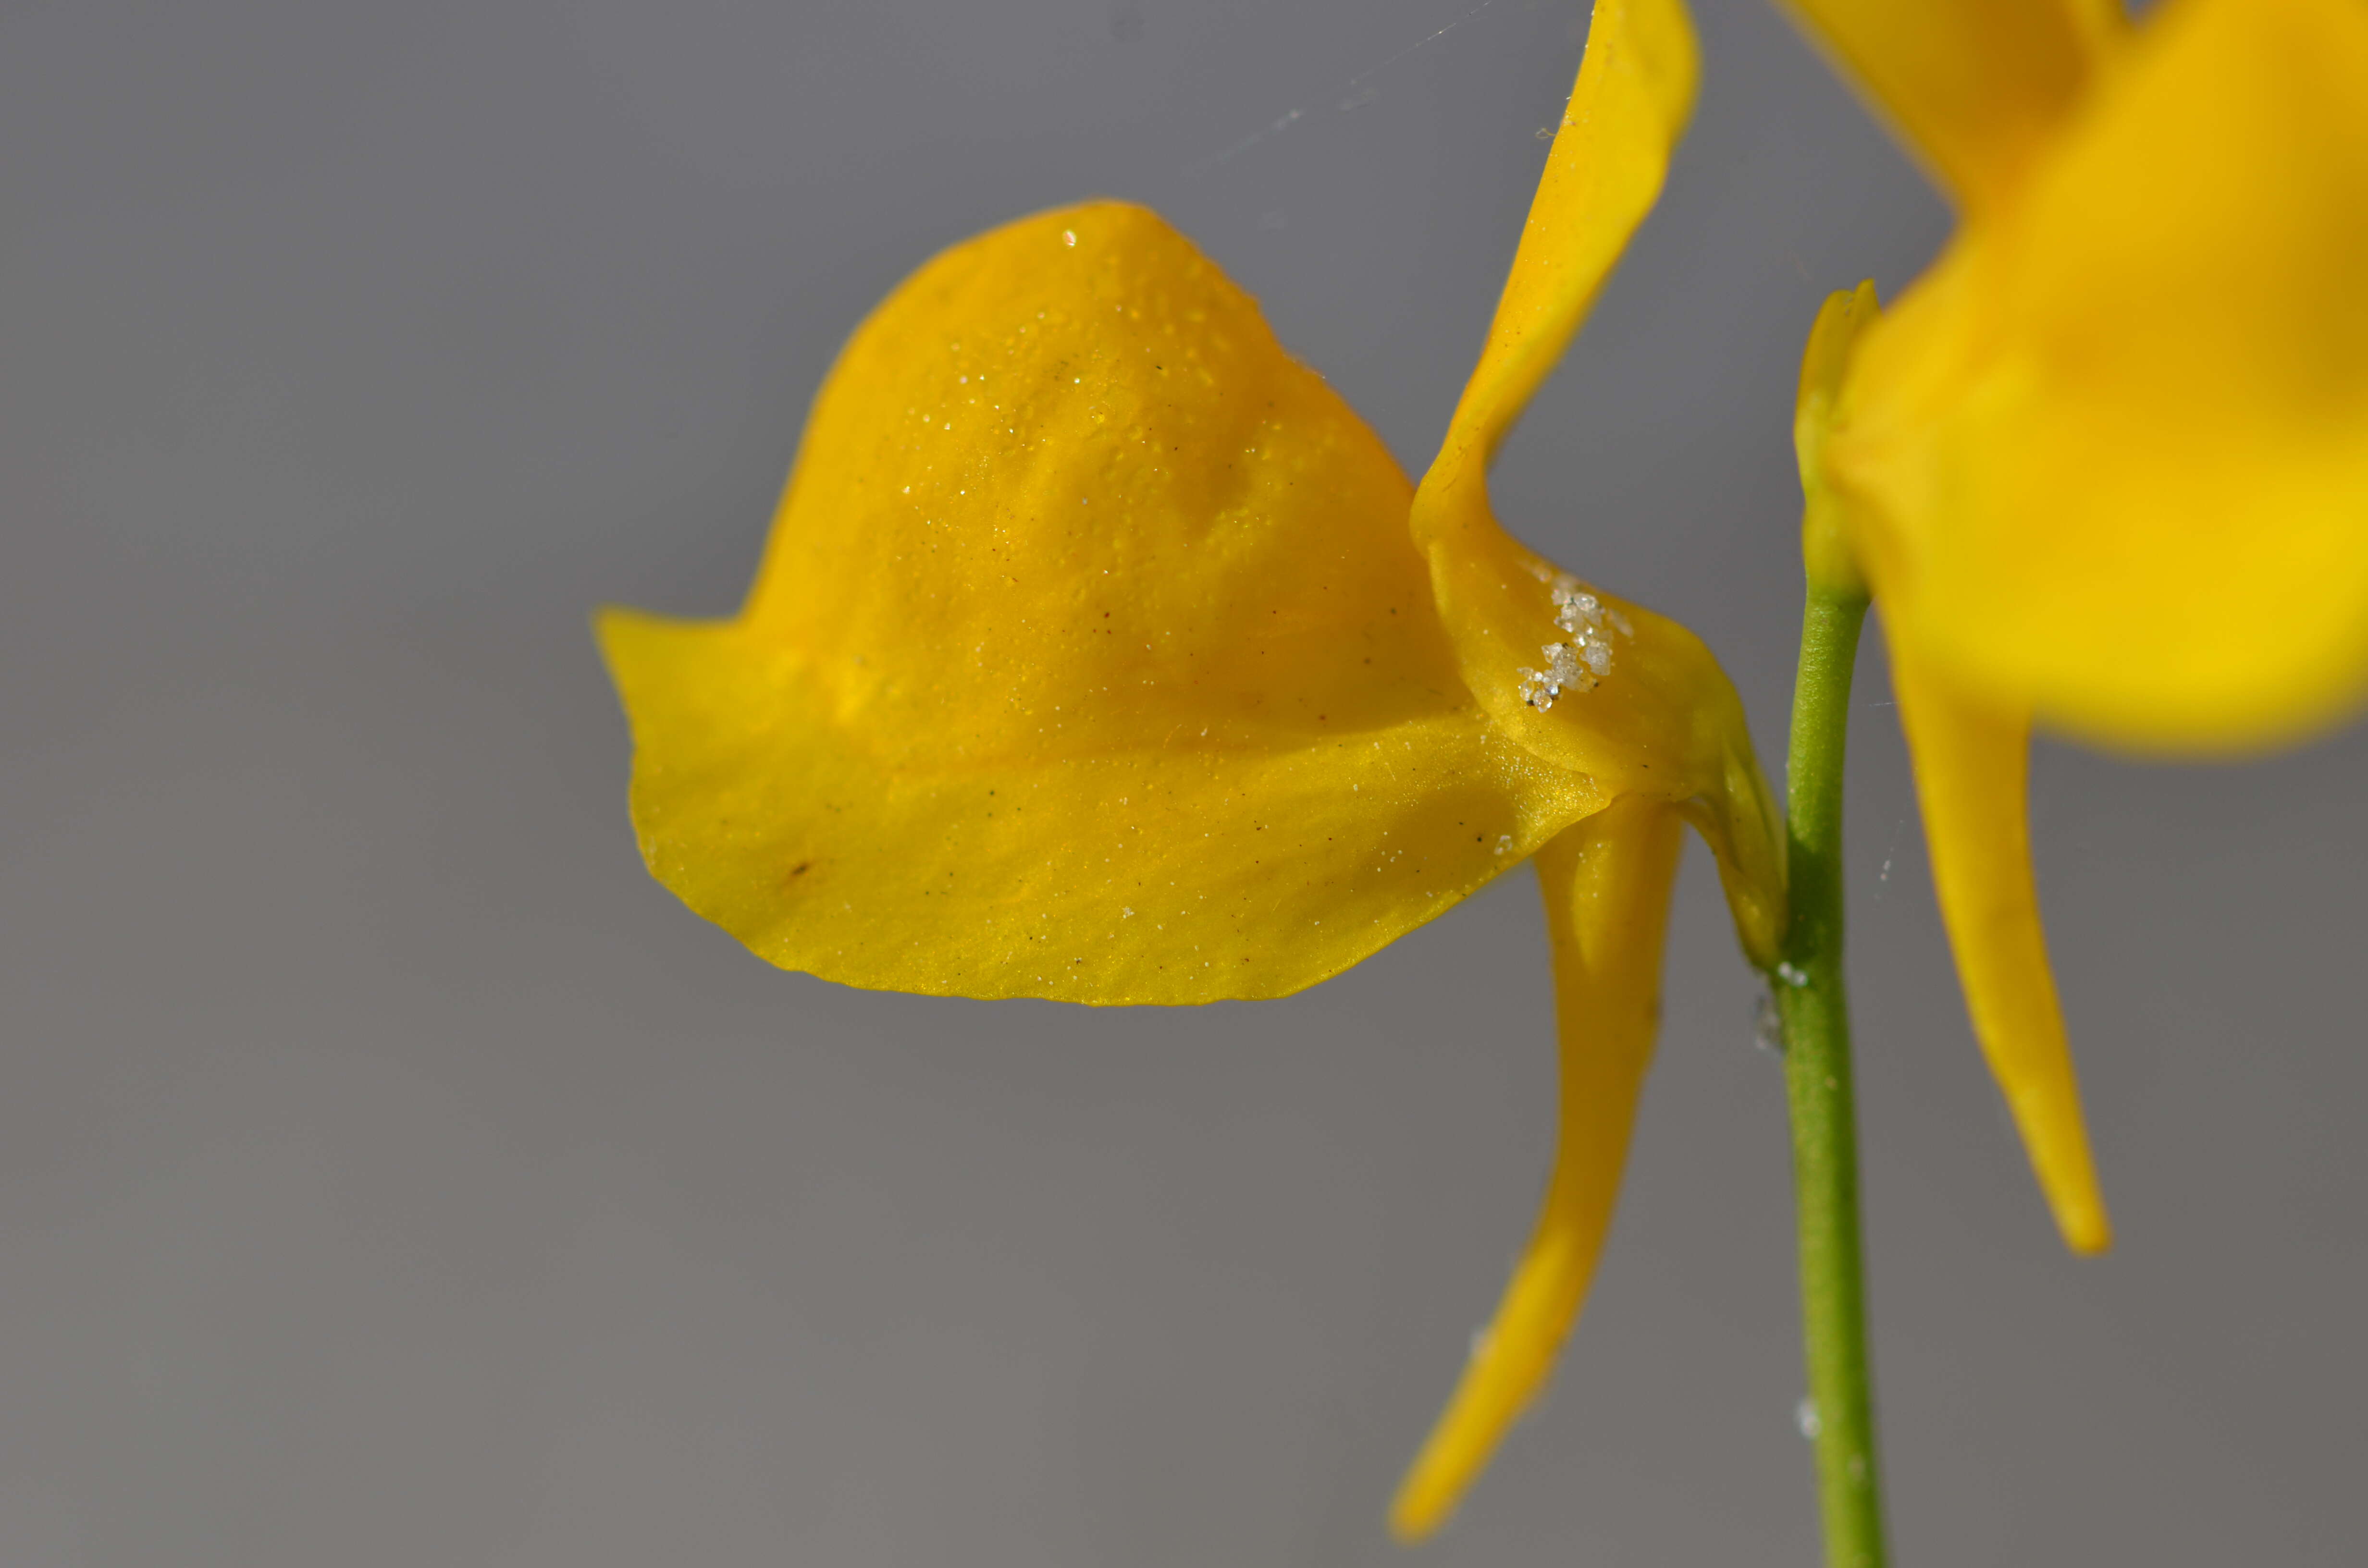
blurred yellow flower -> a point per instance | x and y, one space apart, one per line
2105 464
1102 652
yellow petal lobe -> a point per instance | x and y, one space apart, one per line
1590 682
1089 658
1972 766
1607 884
1976 86
1610 154
2109 459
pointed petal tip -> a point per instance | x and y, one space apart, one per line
1416 1513
1508 1367
2042 1096
2088 1231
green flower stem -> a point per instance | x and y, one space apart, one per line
1815 1007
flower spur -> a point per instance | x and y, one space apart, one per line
1100 653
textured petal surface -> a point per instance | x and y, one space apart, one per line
1976 86
1972 781
1607 884
2110 459
1090 658
1645 707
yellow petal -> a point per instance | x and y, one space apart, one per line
1606 886
1972 779
1635 91
1976 86
1659 717
1090 659
2110 461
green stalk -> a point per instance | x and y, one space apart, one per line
1815 1007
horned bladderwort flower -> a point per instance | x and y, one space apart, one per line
2104 466
1100 653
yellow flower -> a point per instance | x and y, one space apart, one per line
1100 653
2105 464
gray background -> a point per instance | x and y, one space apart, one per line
391 1175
